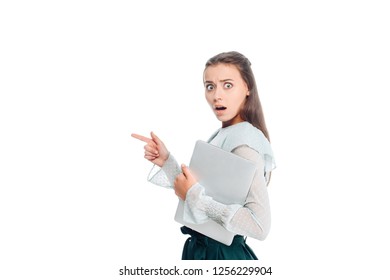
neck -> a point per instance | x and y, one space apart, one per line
237 119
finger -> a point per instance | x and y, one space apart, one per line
150 157
186 171
155 138
151 149
175 183
179 177
151 154
142 138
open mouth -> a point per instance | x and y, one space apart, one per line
220 108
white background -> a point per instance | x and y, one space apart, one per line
78 77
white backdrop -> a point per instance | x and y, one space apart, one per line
78 77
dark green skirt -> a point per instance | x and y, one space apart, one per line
201 247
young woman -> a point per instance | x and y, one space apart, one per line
231 92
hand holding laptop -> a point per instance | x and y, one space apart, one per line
183 182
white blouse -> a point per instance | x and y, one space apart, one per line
251 219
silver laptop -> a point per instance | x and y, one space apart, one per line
226 177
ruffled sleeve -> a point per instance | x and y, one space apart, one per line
166 175
199 208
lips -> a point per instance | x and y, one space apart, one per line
220 108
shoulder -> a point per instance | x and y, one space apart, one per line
248 135
244 134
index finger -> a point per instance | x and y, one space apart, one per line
142 138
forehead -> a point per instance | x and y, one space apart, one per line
221 72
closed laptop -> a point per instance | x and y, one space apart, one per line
226 178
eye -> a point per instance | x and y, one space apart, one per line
209 87
228 85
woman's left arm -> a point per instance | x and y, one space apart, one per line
251 219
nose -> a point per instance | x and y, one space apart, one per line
218 94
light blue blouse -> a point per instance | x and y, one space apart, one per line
252 218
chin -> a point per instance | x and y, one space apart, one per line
223 119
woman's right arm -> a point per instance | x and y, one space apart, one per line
165 167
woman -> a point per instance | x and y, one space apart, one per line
231 92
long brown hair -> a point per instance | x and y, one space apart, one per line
252 111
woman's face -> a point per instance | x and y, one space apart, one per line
225 92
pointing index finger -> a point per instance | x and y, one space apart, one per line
142 138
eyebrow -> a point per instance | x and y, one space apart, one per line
225 80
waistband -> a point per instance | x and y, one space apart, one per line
238 239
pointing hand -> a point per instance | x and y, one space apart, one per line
155 150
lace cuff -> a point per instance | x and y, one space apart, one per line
199 208
165 176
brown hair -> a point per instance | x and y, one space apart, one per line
252 111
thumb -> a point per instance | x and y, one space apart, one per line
186 171
155 138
